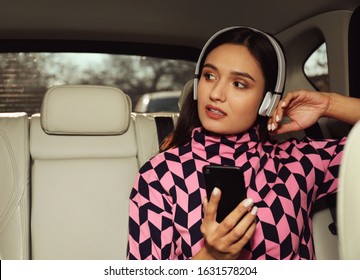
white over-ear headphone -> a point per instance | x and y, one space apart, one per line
271 99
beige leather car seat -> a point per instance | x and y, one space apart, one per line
147 138
14 186
348 206
84 151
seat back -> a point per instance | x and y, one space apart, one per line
148 131
151 128
348 207
324 229
14 186
84 164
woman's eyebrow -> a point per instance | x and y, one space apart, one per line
208 65
243 74
234 73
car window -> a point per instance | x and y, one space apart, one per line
163 104
316 68
24 77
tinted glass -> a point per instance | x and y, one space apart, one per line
25 77
316 68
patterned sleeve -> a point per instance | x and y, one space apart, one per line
150 218
331 152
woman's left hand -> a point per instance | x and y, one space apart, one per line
303 108
225 240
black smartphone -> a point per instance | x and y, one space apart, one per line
230 180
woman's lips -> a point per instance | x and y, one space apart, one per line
214 112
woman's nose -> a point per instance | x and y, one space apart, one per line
218 92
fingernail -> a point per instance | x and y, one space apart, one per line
277 118
254 210
269 127
283 104
247 202
272 127
215 191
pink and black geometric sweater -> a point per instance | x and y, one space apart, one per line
283 179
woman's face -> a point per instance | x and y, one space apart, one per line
230 90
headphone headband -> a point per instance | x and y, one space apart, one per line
279 53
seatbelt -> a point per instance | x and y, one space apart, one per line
164 126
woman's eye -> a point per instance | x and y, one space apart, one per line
239 85
209 76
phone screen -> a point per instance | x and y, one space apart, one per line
230 180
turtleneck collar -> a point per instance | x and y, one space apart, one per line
223 149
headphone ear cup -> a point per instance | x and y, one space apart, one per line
269 104
265 104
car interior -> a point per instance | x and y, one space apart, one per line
67 167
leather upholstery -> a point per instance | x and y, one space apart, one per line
14 186
64 111
348 206
82 174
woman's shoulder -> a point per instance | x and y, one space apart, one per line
161 158
305 145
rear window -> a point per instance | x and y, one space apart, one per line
163 104
316 68
25 77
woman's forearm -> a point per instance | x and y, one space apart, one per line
343 108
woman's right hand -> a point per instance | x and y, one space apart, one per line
225 240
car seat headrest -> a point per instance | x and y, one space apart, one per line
85 110
187 89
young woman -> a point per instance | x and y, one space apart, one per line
170 216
